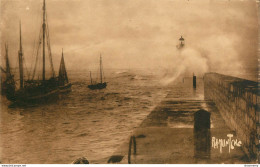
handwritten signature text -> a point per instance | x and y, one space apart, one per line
230 143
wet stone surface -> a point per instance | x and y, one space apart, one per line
170 136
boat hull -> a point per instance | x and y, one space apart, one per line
8 87
35 92
8 90
65 88
25 96
22 97
98 86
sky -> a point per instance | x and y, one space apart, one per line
220 35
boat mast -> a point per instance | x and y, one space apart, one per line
43 42
20 57
90 77
7 60
100 68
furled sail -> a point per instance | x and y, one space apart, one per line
63 78
7 83
48 87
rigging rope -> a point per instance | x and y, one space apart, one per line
16 65
33 56
49 50
49 47
37 54
25 67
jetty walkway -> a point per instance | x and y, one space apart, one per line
167 135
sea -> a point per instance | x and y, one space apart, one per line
83 123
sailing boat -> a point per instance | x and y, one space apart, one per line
8 85
101 84
181 44
64 84
38 90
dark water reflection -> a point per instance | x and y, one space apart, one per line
82 123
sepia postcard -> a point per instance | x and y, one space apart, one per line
129 82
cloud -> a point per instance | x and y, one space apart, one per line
219 35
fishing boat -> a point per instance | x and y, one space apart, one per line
101 84
7 79
42 89
64 84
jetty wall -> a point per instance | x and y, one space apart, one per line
237 100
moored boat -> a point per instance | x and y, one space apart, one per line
42 89
101 84
64 84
